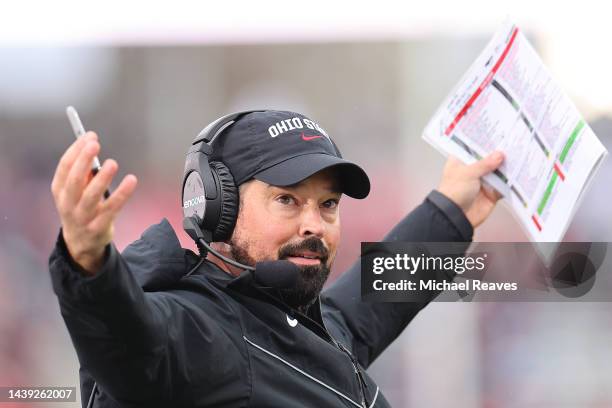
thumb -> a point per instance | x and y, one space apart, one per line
487 164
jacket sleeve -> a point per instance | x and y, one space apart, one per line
370 326
130 341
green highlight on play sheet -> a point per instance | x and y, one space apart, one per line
571 140
551 185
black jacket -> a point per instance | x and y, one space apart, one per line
151 336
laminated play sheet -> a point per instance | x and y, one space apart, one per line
508 101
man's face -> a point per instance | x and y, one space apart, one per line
300 223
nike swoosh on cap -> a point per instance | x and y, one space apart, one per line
307 138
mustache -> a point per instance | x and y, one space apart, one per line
309 244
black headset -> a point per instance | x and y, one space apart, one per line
209 194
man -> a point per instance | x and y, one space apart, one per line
155 327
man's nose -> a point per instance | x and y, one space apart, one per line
311 223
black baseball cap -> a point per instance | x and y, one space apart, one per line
283 148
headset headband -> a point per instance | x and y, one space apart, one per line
214 129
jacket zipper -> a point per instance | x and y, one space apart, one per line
302 372
358 373
360 378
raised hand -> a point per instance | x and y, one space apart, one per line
87 219
462 184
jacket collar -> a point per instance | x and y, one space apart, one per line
245 284
156 259
158 262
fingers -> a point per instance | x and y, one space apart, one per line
491 193
80 171
67 160
99 184
487 164
120 196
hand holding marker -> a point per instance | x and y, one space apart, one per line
79 131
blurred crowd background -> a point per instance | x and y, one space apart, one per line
373 84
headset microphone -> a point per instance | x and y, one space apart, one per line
276 274
279 274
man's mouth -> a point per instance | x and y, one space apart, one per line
305 258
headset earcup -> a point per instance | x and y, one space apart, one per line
229 202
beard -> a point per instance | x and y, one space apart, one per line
311 278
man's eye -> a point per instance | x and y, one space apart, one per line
285 199
330 204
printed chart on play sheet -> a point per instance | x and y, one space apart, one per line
508 101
